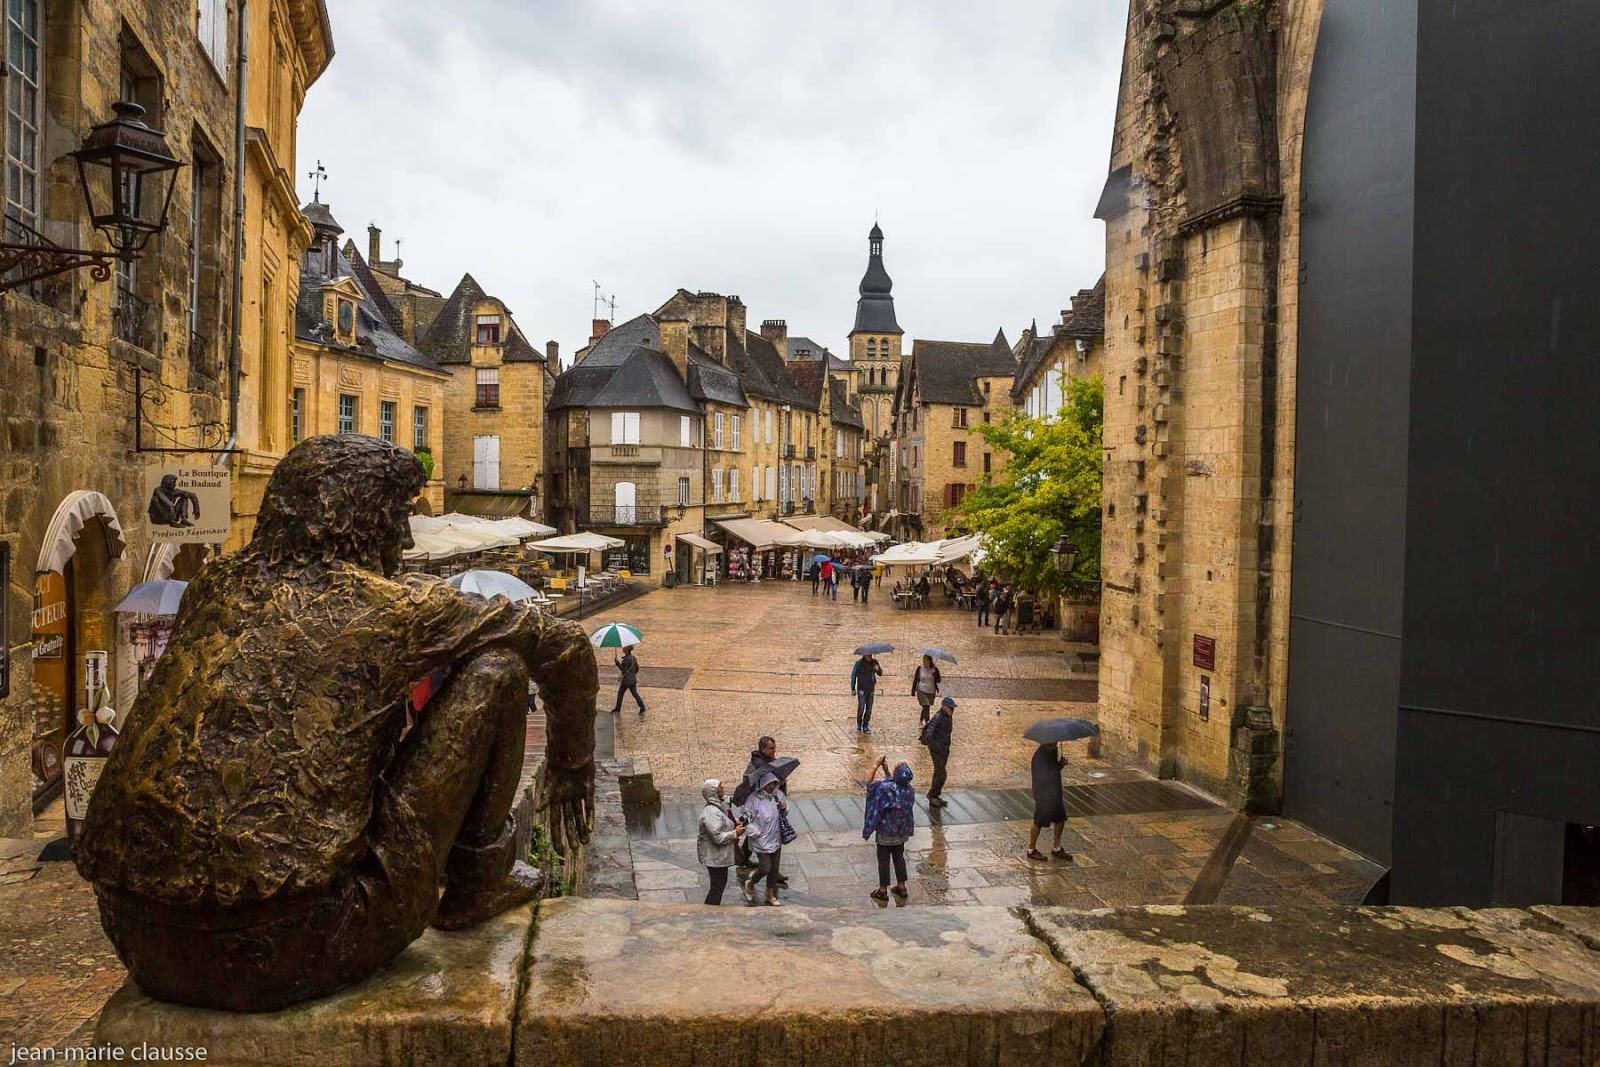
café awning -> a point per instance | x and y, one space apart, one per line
77 510
700 542
759 533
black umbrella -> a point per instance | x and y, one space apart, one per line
1049 731
783 767
874 648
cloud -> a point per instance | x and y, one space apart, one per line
740 147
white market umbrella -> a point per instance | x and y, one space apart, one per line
578 542
152 598
493 583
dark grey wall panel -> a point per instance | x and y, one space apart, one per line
1500 611
1350 429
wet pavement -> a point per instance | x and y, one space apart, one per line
724 665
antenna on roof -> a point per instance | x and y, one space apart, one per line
317 177
602 301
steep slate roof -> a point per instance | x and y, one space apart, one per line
710 381
1087 319
763 372
449 338
844 412
374 334
808 378
369 284
633 377
1032 357
875 308
946 371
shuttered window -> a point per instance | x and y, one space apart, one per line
486 462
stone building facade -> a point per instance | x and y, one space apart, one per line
1073 349
946 390
494 405
352 371
73 495
1201 292
290 45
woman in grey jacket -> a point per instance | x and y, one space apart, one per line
718 831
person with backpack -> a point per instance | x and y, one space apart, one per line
936 734
891 815
864 684
925 681
815 574
1002 610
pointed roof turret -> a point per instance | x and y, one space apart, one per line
875 308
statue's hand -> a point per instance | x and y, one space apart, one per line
567 798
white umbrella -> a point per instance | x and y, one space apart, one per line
153 598
493 583
578 542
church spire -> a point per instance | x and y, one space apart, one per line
875 309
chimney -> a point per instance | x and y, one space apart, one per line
374 243
599 329
777 331
736 320
552 355
675 343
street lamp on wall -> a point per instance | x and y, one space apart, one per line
127 176
461 482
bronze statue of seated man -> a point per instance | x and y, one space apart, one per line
269 828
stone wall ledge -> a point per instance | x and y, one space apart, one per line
622 982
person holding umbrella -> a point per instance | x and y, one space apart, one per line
616 635
925 681
864 683
1049 803
763 834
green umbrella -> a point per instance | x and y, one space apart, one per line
615 635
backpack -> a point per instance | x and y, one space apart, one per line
925 735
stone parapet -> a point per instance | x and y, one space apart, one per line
617 981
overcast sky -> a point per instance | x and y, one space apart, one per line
741 147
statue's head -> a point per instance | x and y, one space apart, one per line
169 482
343 497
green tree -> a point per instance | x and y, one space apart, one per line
1050 486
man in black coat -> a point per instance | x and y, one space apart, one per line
628 665
936 735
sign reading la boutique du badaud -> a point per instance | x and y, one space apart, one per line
188 505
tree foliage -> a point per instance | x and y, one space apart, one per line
1050 486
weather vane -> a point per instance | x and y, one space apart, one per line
317 177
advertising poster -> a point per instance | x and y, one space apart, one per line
188 505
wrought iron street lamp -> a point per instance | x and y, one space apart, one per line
127 175
130 205
1065 555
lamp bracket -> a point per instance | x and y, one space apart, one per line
36 257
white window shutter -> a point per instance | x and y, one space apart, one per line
619 424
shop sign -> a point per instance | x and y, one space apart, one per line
1205 652
49 646
188 505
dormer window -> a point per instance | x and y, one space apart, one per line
347 318
488 330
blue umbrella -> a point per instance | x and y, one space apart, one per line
939 653
1049 731
874 648
819 558
153 598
